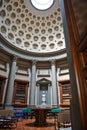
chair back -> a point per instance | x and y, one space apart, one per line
64 116
5 113
27 110
55 110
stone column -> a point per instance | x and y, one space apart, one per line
11 82
33 83
49 94
5 87
28 87
54 84
38 90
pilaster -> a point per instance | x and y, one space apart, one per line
33 83
11 82
54 84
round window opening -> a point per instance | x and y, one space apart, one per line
42 4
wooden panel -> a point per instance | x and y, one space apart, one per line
80 14
60 89
78 45
85 72
84 57
83 42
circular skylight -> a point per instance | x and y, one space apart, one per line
42 4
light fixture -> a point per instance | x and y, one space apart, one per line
42 4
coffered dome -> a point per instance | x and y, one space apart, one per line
27 28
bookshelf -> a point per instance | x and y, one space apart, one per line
65 93
20 93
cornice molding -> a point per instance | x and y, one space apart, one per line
42 54
12 50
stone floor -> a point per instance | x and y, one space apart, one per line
27 124
66 128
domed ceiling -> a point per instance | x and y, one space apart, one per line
30 29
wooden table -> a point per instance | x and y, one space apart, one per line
40 116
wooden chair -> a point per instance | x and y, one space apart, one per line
7 120
18 113
54 114
64 119
28 112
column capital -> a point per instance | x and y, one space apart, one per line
49 85
34 62
38 85
53 62
14 58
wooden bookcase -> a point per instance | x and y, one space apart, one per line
20 93
65 93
